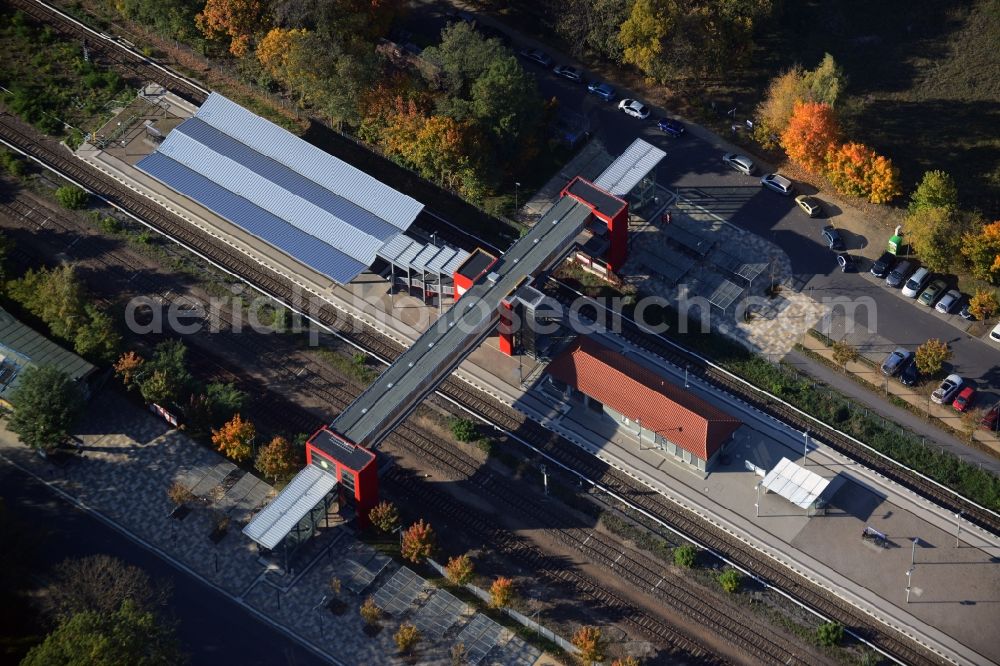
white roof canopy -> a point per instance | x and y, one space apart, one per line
796 484
631 167
278 518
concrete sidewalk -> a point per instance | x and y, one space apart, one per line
923 427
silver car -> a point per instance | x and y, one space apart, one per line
948 301
778 183
948 389
741 163
810 205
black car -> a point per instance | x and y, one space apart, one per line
670 127
538 57
965 314
833 239
883 265
910 375
567 72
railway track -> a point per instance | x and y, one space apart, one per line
115 50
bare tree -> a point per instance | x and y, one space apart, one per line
100 583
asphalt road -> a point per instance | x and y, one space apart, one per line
212 629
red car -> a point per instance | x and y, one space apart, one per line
964 399
989 420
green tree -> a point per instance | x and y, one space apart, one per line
830 633
936 234
936 190
464 430
165 379
126 636
72 197
46 403
685 555
224 400
97 338
730 580
507 105
12 163
171 18
930 357
592 26
774 111
463 56
55 296
825 83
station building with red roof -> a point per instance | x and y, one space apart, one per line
681 424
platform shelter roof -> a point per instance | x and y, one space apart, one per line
292 195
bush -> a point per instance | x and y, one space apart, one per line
464 430
685 555
829 633
111 225
730 580
12 164
72 197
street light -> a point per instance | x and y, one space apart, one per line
958 526
686 366
517 186
545 480
805 448
913 553
909 572
757 504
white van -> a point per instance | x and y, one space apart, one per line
916 282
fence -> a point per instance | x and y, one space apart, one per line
523 620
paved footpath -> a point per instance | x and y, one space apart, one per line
130 458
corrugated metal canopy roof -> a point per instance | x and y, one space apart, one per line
630 167
279 517
270 174
405 252
639 393
22 346
796 484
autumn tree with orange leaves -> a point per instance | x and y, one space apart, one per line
856 169
276 459
812 131
981 249
240 20
590 643
418 542
501 592
235 438
127 368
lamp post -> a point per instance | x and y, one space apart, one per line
909 572
686 384
913 553
517 186
545 480
958 528
757 503
805 448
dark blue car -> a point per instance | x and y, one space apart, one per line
670 127
602 90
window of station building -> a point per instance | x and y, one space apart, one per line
347 481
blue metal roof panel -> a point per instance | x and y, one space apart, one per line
395 247
257 189
455 262
271 229
337 176
420 261
441 260
296 184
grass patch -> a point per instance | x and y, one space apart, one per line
355 366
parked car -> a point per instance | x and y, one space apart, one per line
602 90
567 72
810 205
538 57
916 282
670 127
634 108
778 183
948 301
965 314
931 293
895 361
965 398
833 239
910 375
741 163
899 273
991 419
883 265
995 333
846 262
947 390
